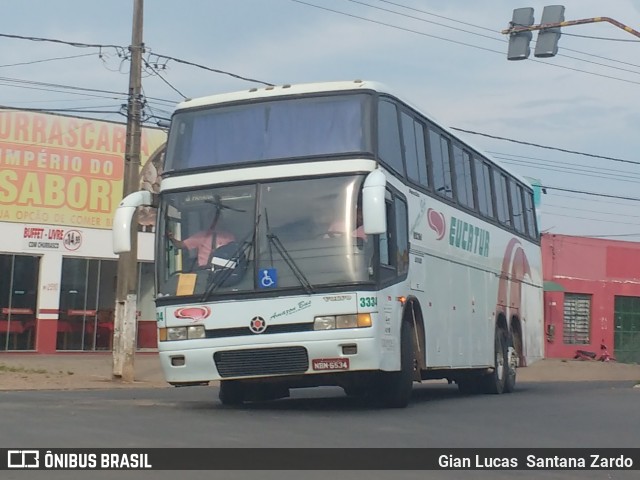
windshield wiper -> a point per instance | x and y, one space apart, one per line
275 242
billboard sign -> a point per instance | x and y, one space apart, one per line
58 170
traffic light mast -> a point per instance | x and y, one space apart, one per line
522 25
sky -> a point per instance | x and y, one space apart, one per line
446 57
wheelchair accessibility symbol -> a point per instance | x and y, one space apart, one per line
268 278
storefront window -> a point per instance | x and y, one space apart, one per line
87 303
18 300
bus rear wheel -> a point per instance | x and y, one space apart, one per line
495 382
512 362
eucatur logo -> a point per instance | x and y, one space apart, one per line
193 313
437 223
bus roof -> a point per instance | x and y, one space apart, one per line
282 90
322 87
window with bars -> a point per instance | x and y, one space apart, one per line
577 318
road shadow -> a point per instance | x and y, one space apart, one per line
333 399
325 399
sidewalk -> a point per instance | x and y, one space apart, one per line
70 371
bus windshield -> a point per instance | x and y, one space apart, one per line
295 234
266 130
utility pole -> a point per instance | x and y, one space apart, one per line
124 333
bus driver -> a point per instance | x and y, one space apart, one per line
205 242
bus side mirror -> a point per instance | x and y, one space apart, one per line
374 216
121 228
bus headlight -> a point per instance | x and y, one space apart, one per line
330 322
176 333
346 321
182 333
324 323
195 331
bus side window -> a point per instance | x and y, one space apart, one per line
483 186
516 206
414 150
389 148
530 215
464 188
502 199
441 163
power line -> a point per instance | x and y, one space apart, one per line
397 27
600 56
583 192
598 219
613 235
567 169
582 199
58 91
157 73
574 152
64 42
602 38
424 20
72 90
438 16
122 53
214 70
58 110
576 166
598 63
59 85
32 62
563 207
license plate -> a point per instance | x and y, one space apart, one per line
330 364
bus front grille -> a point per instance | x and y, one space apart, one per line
262 361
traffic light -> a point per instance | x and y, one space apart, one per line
519 41
547 43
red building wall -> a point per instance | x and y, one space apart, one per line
598 267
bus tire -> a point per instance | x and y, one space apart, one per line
395 387
510 382
495 381
232 392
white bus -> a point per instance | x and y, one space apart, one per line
356 243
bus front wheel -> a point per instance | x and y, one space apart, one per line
394 388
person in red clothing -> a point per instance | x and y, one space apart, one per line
204 242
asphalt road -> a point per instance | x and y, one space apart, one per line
578 414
